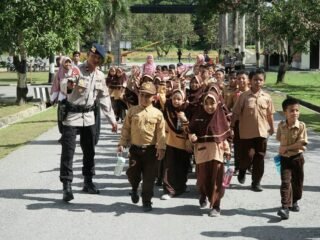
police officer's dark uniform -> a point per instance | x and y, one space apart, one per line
80 117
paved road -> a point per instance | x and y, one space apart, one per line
31 205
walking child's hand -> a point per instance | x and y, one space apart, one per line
160 154
271 131
193 138
181 115
227 156
283 150
120 149
114 127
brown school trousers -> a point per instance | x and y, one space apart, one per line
209 182
291 179
175 166
143 163
236 145
259 146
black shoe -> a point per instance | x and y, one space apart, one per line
203 202
89 187
159 182
283 213
147 206
134 197
256 187
67 192
242 176
295 207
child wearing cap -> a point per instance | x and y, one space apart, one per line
292 135
144 132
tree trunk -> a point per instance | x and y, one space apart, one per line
158 51
51 68
243 37
235 29
282 72
21 68
226 29
257 40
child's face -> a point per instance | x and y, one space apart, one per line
76 57
119 74
196 70
145 99
210 105
211 71
242 81
292 113
165 73
257 82
149 60
112 72
233 80
168 87
194 85
205 74
219 76
67 65
171 73
177 100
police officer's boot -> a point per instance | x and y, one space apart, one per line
67 191
89 187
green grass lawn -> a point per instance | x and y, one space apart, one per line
7 109
20 133
302 85
32 77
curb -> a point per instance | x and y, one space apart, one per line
303 103
5 121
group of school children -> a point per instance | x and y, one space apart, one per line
166 123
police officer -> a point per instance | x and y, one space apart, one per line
80 118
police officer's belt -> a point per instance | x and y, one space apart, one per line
142 146
79 109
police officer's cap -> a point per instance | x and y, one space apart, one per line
148 87
98 49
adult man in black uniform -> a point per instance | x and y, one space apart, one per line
80 117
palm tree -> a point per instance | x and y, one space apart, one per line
112 17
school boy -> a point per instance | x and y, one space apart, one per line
254 110
144 131
292 135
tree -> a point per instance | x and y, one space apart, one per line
291 25
166 30
41 28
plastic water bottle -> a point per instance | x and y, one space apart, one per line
178 124
277 162
227 176
120 164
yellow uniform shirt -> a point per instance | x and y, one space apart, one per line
252 111
143 126
290 135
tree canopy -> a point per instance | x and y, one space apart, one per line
41 27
